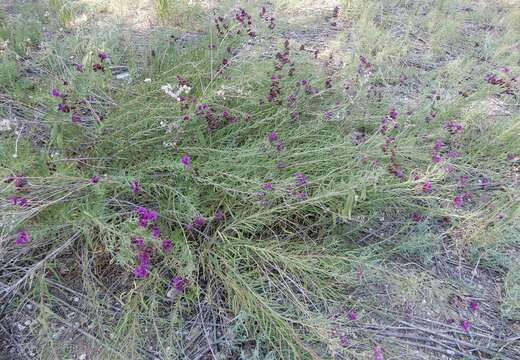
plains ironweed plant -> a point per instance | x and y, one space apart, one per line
227 204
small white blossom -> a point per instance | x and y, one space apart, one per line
148 80
5 125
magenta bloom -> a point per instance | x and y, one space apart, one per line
138 242
198 222
94 179
185 160
457 201
15 200
20 182
454 127
427 186
267 186
134 185
378 353
23 237
141 271
166 245
352 315
145 216
180 284
102 55
63 107
156 231
438 144
453 154
474 306
75 118
56 93
300 179
436 158
465 325
272 137
393 114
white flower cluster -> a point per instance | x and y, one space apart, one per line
170 126
168 90
6 125
172 144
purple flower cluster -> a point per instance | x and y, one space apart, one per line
300 179
16 200
274 90
185 160
22 238
197 223
145 216
179 284
454 127
229 118
142 270
135 186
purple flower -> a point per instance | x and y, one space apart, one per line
272 137
141 271
328 83
465 325
55 93
166 245
102 55
20 182
344 341
473 306
352 315
485 183
80 68
198 222
327 115
280 146
94 179
436 158
427 186
392 114
438 144
512 157
185 160
156 231
15 200
138 242
454 127
145 216
453 154
218 217
300 179
134 185
378 353
267 186
417 217
23 237
397 171
63 107
457 201
180 284
75 118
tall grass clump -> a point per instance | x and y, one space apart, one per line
215 192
